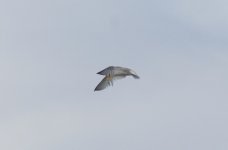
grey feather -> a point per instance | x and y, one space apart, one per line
103 84
114 73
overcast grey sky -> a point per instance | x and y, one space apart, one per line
50 51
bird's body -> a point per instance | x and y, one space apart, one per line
114 73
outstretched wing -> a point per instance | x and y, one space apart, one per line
106 71
105 82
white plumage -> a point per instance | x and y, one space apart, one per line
114 73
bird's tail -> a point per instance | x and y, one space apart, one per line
134 74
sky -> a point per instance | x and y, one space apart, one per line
51 50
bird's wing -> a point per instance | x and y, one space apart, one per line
105 82
120 71
106 71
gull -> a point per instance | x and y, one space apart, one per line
112 73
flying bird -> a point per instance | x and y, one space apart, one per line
114 73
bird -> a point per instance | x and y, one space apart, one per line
112 73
